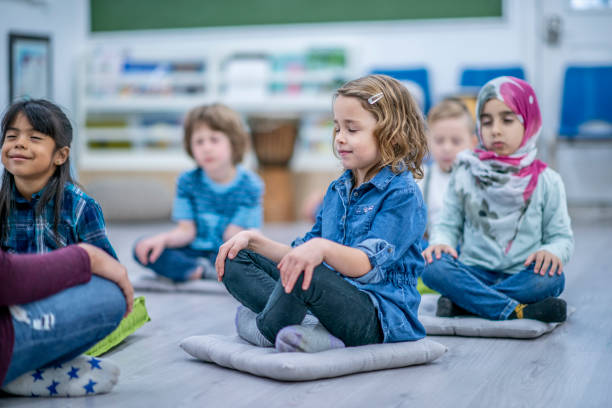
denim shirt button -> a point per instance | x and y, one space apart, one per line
356 194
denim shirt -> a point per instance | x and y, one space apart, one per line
81 220
385 218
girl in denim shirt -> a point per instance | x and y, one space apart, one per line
356 270
508 211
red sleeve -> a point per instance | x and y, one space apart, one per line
26 278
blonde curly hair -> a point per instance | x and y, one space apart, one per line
400 127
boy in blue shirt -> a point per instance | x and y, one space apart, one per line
213 202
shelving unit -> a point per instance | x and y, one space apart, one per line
133 101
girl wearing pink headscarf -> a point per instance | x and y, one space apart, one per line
508 212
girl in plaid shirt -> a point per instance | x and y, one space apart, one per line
41 209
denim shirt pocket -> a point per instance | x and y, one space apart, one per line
363 215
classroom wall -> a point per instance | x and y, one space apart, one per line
444 46
66 22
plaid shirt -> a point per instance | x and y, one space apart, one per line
81 220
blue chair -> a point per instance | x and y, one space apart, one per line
587 97
474 78
419 76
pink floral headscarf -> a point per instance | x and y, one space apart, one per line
504 184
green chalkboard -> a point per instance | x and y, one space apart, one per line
114 15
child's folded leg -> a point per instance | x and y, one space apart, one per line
468 287
529 287
177 264
348 313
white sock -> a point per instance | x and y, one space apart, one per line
247 329
81 376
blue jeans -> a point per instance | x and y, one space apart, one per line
177 263
60 327
489 293
344 310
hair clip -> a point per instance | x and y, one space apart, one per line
375 98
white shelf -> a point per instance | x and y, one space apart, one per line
134 160
143 99
146 104
282 104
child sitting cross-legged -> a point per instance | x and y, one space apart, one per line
509 213
356 270
451 130
216 200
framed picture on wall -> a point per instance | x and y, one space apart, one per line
29 66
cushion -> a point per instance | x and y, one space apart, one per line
154 283
128 325
477 326
233 352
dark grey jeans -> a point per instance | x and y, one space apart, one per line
344 310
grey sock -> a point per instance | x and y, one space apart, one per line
309 339
209 271
309 320
84 375
247 329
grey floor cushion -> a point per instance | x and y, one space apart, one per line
233 352
152 283
479 327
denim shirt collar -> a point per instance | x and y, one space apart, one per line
381 180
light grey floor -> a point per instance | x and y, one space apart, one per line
571 367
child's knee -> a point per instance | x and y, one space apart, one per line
433 272
556 284
113 303
234 268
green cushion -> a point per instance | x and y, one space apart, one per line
128 325
424 289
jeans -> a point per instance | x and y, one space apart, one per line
345 311
489 293
178 263
62 326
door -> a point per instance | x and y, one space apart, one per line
573 32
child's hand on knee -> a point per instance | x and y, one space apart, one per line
230 249
149 249
543 260
438 250
301 259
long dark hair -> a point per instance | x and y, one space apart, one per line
47 118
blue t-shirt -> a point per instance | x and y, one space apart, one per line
385 218
81 220
213 206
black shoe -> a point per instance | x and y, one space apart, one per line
446 308
549 310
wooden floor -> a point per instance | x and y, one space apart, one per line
571 367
